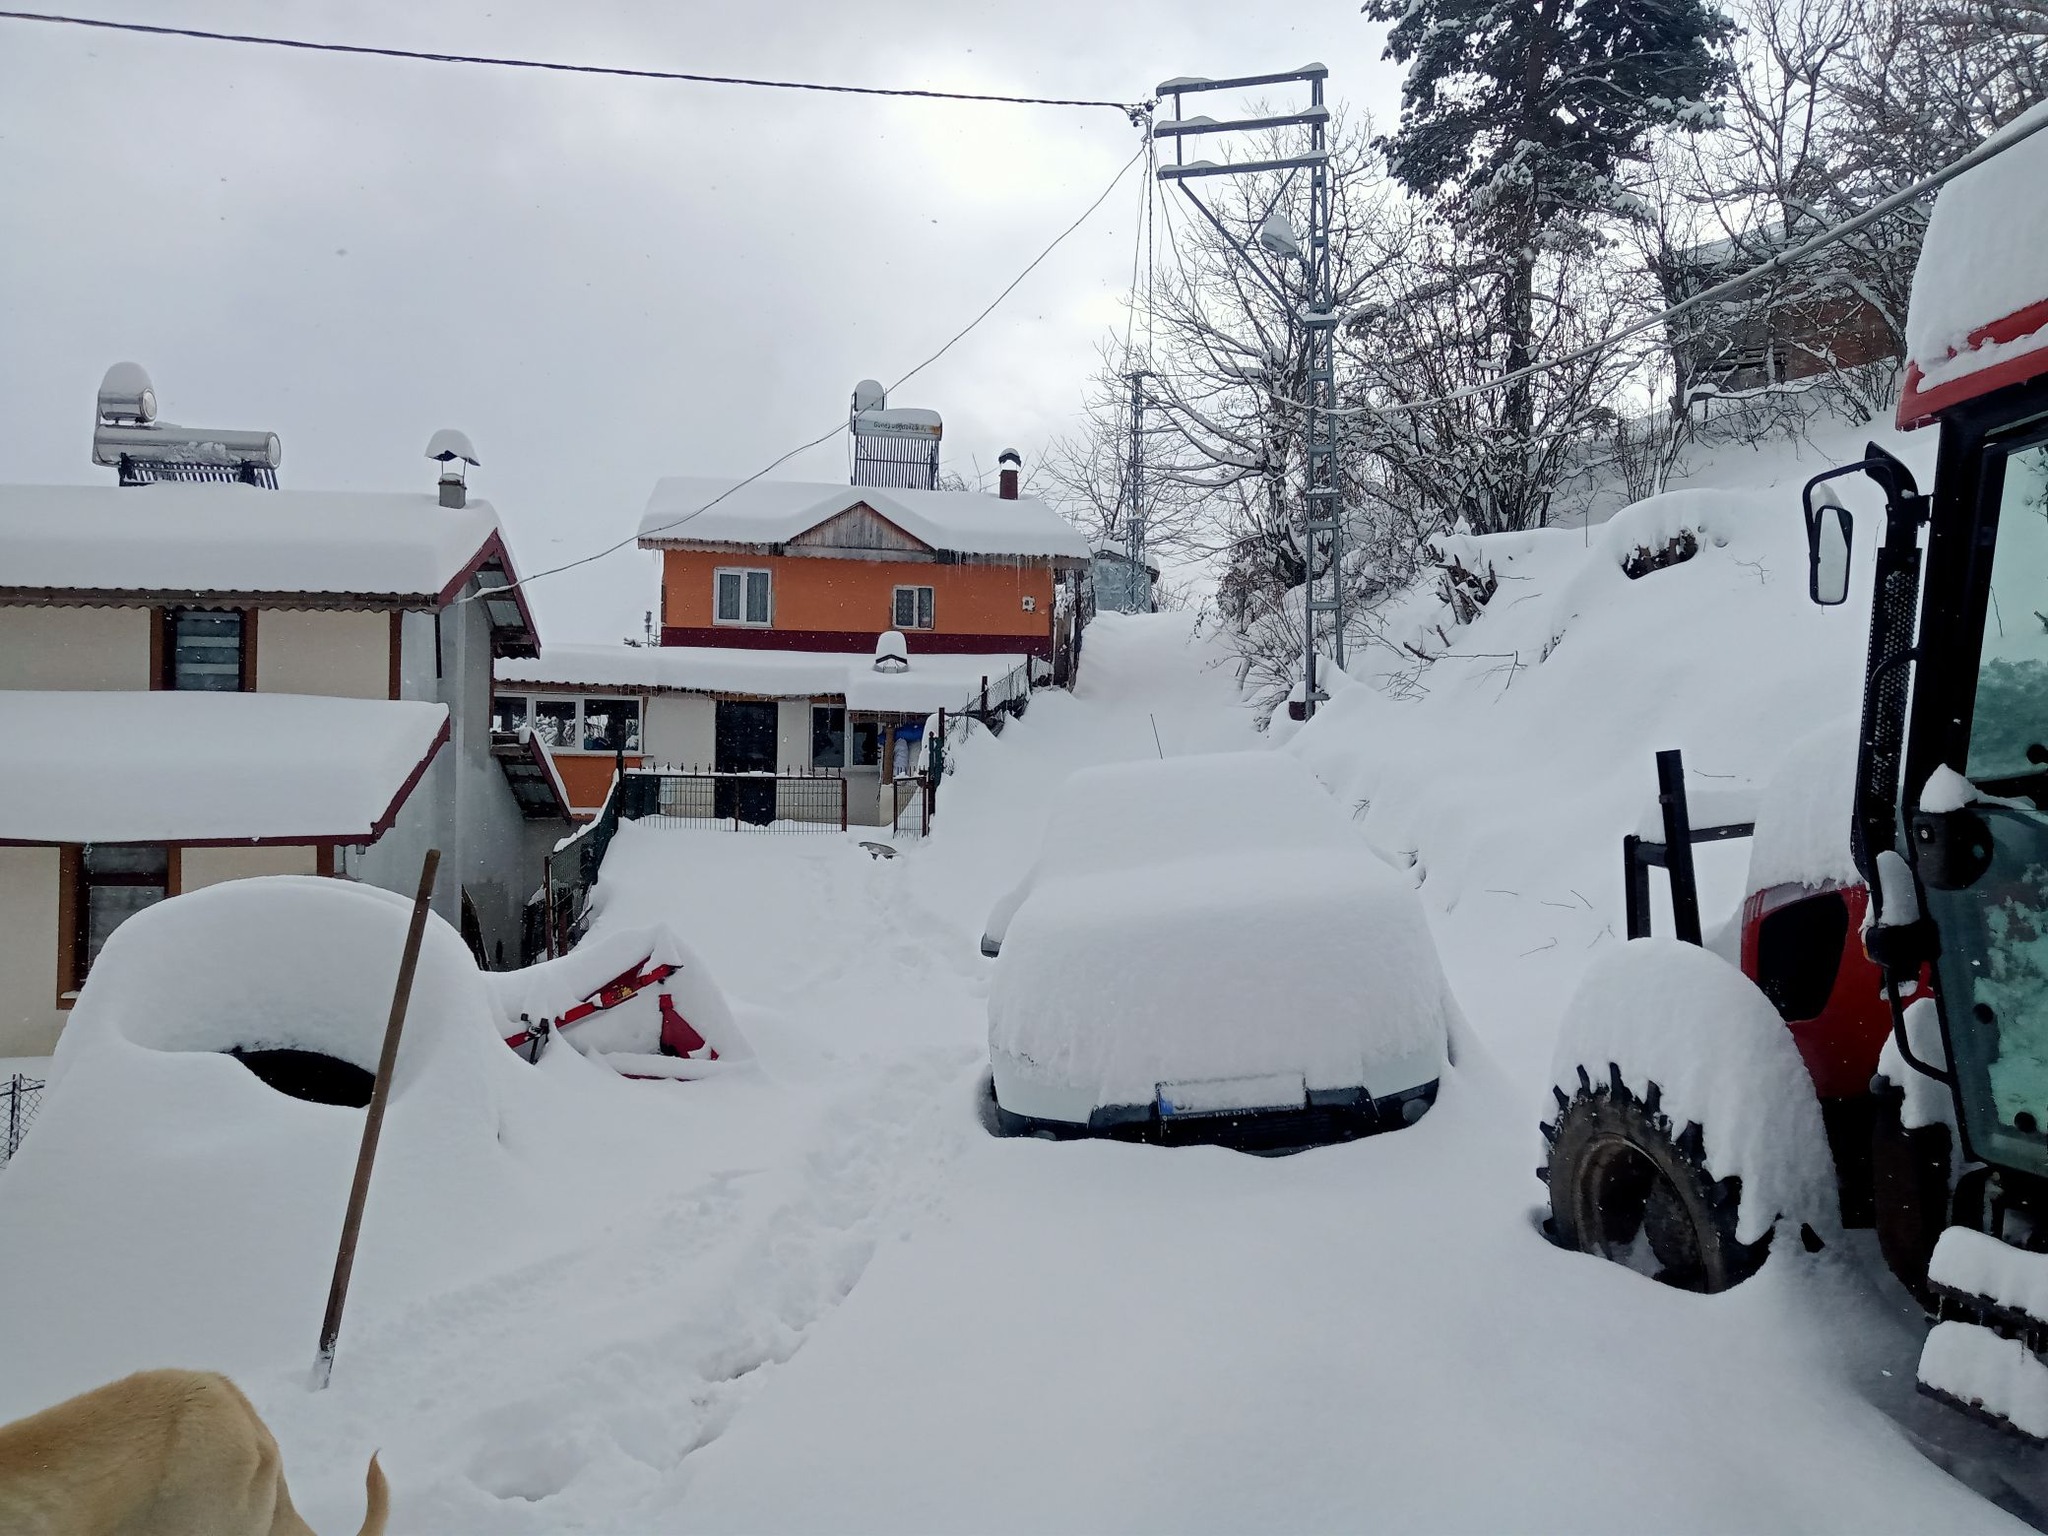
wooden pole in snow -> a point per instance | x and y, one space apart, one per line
373 1123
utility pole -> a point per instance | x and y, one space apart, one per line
1312 321
1134 493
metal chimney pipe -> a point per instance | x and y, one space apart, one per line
1012 463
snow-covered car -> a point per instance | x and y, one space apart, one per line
1206 950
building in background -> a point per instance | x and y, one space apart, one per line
210 678
774 597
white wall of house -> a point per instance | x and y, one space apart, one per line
463 804
336 655
681 728
201 867
29 914
793 736
81 648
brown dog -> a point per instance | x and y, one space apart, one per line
159 1453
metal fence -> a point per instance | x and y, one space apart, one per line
736 802
23 1095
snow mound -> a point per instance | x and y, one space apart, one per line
1683 1018
1124 814
1112 984
553 987
1804 812
1978 1264
2001 1376
169 1194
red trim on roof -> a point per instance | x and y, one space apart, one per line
377 828
493 548
1918 406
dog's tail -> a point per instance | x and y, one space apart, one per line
379 1496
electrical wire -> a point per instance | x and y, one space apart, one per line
838 426
555 66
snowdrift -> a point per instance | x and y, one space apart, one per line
173 1209
1509 769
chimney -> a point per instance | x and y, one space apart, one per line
452 449
1006 480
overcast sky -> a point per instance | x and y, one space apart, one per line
601 281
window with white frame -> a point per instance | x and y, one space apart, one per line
741 597
611 725
914 608
594 724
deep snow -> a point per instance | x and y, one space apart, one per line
813 1293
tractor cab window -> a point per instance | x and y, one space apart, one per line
2009 727
1993 963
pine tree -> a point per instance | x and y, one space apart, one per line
1520 114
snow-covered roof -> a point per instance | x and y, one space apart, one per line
241 539
681 512
169 767
932 682
1979 315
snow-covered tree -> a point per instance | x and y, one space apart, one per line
1520 114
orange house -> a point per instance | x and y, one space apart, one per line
773 597
782 565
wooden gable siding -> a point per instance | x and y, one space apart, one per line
859 527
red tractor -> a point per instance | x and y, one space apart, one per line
1917 991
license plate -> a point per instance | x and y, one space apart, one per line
1226 1095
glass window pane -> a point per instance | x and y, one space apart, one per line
828 737
906 608
2012 670
127 859
867 743
554 721
924 607
757 597
729 597
611 725
206 650
508 712
107 907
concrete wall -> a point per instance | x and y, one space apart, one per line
201 867
82 648
337 655
29 913
463 805
681 728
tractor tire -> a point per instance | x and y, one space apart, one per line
1626 1185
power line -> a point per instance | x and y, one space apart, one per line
838 426
307 45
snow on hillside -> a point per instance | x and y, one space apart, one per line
1508 770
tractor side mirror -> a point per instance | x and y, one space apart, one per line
1827 546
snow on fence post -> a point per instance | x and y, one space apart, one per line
373 1123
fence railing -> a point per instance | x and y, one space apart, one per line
24 1096
737 802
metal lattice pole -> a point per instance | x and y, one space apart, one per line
1134 495
1311 319
1322 509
